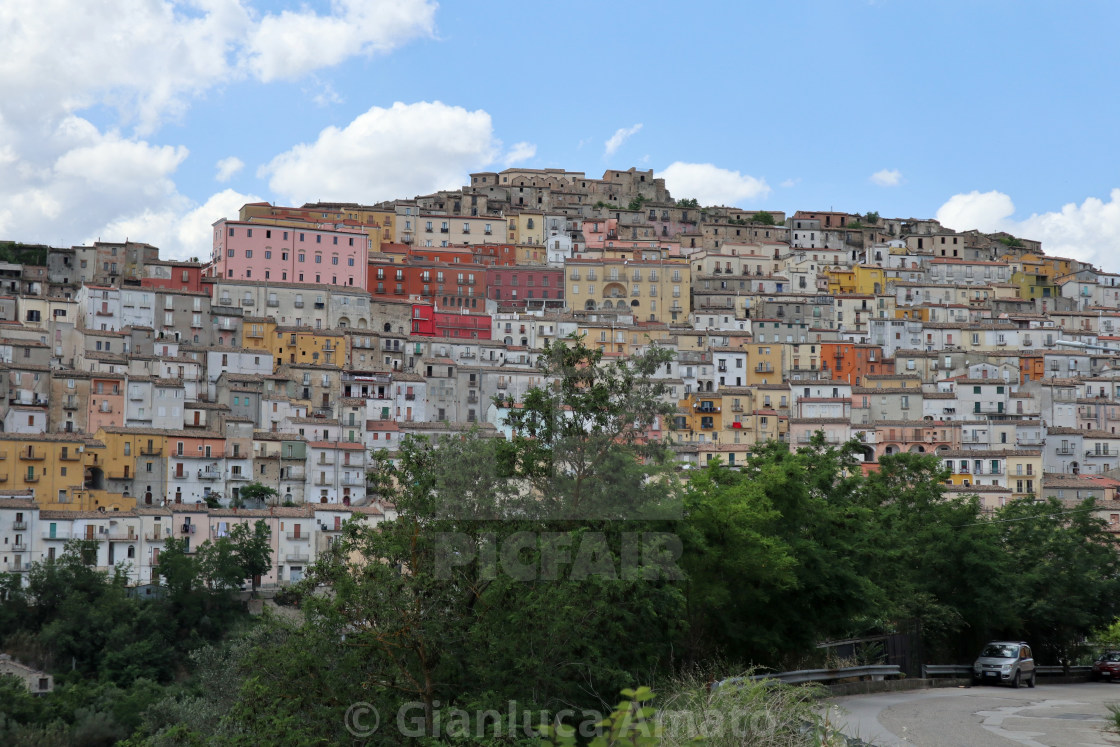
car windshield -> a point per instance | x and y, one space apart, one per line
996 650
1111 656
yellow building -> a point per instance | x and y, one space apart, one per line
764 362
655 291
860 279
134 461
63 471
526 228
304 345
1032 285
699 418
259 333
622 339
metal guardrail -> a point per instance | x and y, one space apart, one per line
885 671
873 672
930 671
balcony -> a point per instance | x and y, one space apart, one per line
150 451
17 567
30 456
19 547
466 231
209 474
31 478
70 456
298 537
56 535
410 397
353 481
444 230
298 304
70 403
722 368
736 408
296 558
121 537
247 302
238 476
1065 451
273 302
326 461
1102 453
106 408
156 535
294 473
320 305
188 528
19 526
763 368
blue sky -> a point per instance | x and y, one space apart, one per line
991 115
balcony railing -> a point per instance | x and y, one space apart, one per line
238 476
298 536
296 558
56 535
1065 451
150 451
19 526
19 547
209 474
17 567
156 535
31 456
1102 453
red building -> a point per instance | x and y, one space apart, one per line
447 286
172 275
427 322
852 362
525 286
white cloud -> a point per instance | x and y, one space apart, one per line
1089 231
180 231
293 43
712 185
228 168
887 178
407 149
790 183
139 65
983 211
620 136
518 153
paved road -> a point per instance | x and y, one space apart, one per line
988 716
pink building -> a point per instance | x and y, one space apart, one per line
287 254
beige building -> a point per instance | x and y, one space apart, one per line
655 291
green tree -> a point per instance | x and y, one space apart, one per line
636 203
1066 576
256 494
871 218
936 558
763 217
252 547
688 202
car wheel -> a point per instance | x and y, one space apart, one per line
1015 681
1034 676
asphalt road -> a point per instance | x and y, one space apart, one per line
986 716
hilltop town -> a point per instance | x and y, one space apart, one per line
142 395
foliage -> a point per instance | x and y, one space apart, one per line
763 217
257 494
871 218
688 202
1010 241
636 203
112 653
24 254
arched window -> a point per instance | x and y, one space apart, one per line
529 224
132 551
